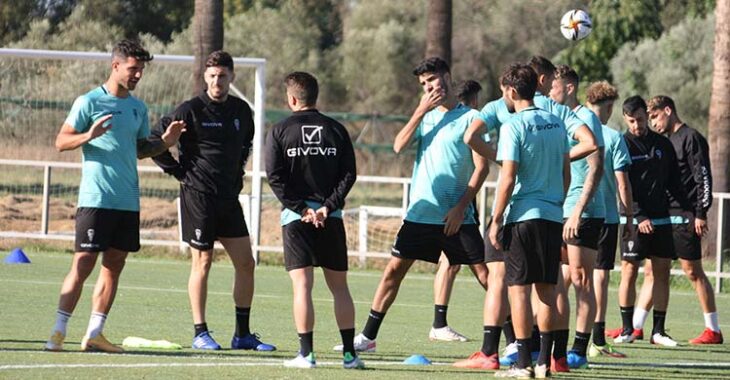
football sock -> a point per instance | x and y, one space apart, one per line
560 343
535 339
306 341
546 345
348 335
627 316
242 317
96 324
580 342
711 321
640 316
490 341
523 348
62 318
509 331
439 316
599 333
659 317
200 328
373 324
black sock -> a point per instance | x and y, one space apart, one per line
242 317
490 341
509 331
599 333
560 343
546 346
373 324
439 316
627 320
659 317
535 339
580 342
306 342
200 328
523 348
347 341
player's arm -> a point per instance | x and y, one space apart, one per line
154 145
347 175
69 138
455 217
624 194
277 172
473 138
566 174
593 178
507 178
587 143
699 163
428 102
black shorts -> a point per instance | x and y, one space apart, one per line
204 218
492 254
638 246
687 245
607 247
532 252
589 232
419 241
98 229
307 246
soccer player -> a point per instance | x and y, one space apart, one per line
310 163
496 306
600 97
693 157
447 175
468 94
653 176
534 152
584 212
210 170
111 126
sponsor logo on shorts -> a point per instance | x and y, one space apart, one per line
90 234
89 245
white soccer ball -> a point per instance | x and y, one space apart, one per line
576 25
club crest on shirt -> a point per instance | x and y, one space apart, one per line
136 114
237 124
659 153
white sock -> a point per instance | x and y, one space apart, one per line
96 324
62 318
640 318
711 321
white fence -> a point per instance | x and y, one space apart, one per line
361 216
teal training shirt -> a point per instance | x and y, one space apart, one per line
616 158
537 141
288 216
579 170
443 166
109 174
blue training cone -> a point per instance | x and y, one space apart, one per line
417 360
17 256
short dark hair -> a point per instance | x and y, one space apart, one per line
567 74
633 104
601 91
219 58
432 65
541 65
660 102
131 48
303 86
468 90
522 78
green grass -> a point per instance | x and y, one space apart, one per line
152 303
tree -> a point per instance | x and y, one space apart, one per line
615 22
719 119
438 29
208 36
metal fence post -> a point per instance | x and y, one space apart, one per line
718 248
362 235
46 199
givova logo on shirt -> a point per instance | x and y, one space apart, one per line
311 135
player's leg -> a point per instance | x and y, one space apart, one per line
345 316
601 276
631 256
201 261
582 261
561 331
645 300
386 292
302 280
661 267
443 283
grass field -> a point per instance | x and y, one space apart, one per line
152 303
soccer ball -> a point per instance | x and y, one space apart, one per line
576 25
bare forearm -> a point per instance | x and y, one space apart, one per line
404 137
67 141
504 191
150 148
595 171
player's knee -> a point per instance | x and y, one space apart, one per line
694 273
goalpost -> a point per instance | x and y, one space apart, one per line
39 86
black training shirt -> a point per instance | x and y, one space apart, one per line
693 157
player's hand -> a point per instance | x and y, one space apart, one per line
432 99
453 220
570 228
173 132
98 128
494 228
308 216
629 228
320 216
646 227
700 227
